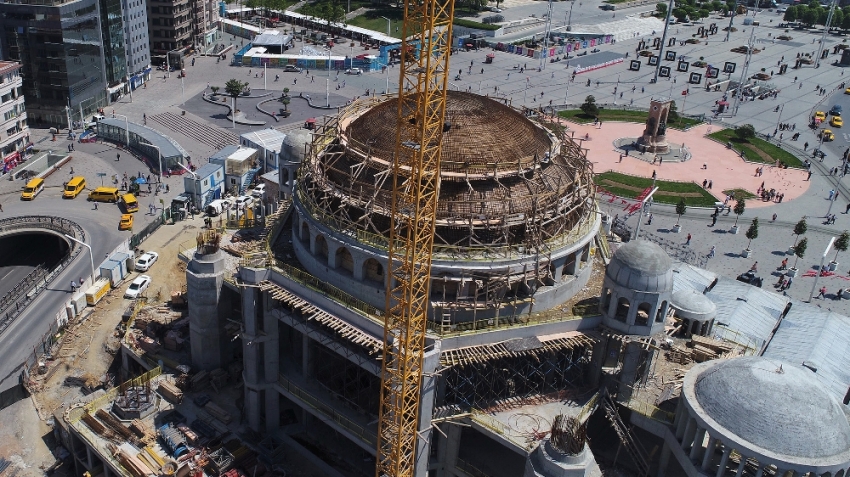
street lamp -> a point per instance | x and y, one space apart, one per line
640 215
126 128
91 255
570 18
388 25
820 269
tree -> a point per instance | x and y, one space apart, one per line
285 100
704 13
800 250
791 14
661 8
745 132
215 89
589 106
681 207
716 5
234 88
809 16
752 232
680 13
845 21
799 230
739 209
673 114
841 244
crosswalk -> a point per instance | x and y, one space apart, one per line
846 136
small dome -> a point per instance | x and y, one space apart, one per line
641 266
772 405
693 304
293 147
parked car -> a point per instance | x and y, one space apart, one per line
138 286
291 69
146 261
126 222
259 191
607 6
836 110
216 207
354 71
836 121
243 202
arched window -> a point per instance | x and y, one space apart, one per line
622 309
322 249
344 260
659 315
643 313
305 232
373 270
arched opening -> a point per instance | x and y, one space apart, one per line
569 267
622 311
373 270
322 249
643 313
659 315
344 260
695 327
840 473
606 301
305 232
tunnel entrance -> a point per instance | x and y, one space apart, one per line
21 253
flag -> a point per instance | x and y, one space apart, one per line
684 92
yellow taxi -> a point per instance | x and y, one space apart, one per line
126 222
847 91
827 135
836 121
820 115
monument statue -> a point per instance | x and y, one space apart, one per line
654 137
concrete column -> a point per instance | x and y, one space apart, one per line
709 452
359 260
697 447
426 409
253 408
760 472
313 248
332 248
250 348
721 469
272 347
204 278
628 372
559 269
690 431
664 460
682 422
597 358
741 466
272 409
447 450
305 356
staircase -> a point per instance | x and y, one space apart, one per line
634 449
200 132
248 180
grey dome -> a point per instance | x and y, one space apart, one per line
292 149
641 266
694 303
785 411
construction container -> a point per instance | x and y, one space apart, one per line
112 272
97 291
126 260
78 303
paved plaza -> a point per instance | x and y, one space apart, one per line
177 109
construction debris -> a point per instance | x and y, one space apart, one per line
170 392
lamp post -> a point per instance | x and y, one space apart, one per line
91 255
663 39
388 25
570 17
126 128
640 215
820 269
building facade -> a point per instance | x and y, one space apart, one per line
136 41
71 54
14 132
205 22
170 27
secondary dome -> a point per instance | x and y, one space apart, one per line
770 405
692 302
642 266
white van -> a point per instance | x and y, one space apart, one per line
216 207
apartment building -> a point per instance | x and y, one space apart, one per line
14 132
170 27
136 41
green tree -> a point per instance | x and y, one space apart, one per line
234 88
791 15
680 13
703 13
589 106
738 209
845 21
661 8
285 100
745 132
800 250
752 232
716 5
841 244
809 17
681 208
799 230
215 89
837 19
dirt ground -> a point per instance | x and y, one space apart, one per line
25 437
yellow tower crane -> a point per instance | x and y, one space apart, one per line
423 79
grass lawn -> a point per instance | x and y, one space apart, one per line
668 192
740 193
373 21
756 150
578 116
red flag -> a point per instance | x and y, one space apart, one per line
685 93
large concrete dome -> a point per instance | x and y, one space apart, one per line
641 266
773 408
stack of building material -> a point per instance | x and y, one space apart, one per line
96 426
218 412
219 378
116 425
133 464
148 344
170 392
200 381
173 341
706 349
140 428
191 437
221 460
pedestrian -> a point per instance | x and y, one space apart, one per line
710 183
809 176
649 222
713 220
788 283
688 242
73 286
806 144
774 217
95 205
704 183
81 282
118 157
712 251
831 194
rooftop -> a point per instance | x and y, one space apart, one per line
168 147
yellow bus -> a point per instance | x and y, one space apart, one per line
74 187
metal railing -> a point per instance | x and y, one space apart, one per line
327 411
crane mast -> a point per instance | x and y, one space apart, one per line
423 79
